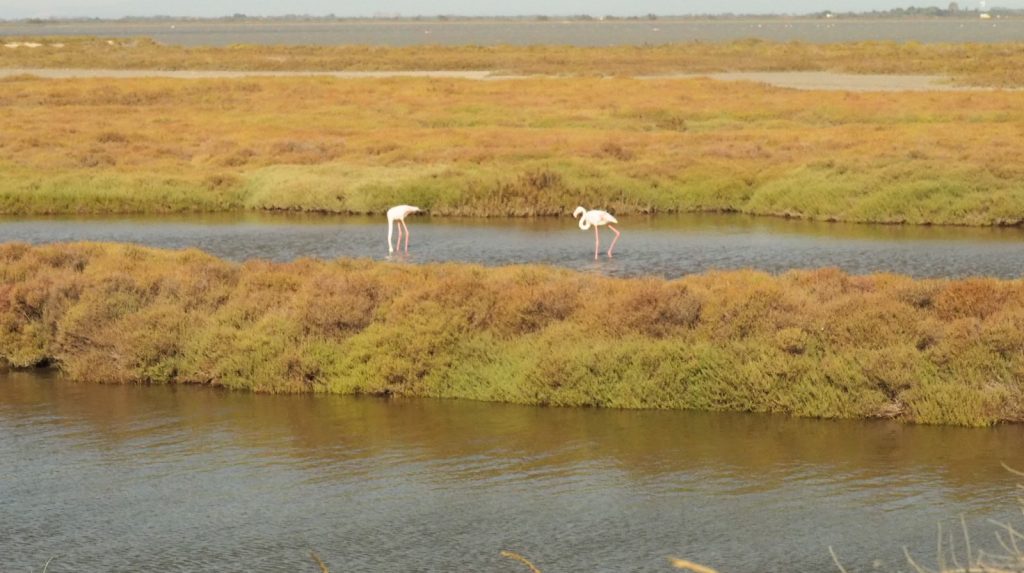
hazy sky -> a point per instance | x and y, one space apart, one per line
116 8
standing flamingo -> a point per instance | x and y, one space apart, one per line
597 219
396 217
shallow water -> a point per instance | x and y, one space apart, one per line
111 478
669 246
577 33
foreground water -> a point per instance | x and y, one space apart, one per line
109 478
525 32
669 246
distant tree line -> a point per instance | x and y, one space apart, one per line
951 10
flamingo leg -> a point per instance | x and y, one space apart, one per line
613 240
597 243
398 243
406 236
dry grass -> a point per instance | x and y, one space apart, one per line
808 343
675 562
319 562
690 566
517 557
522 148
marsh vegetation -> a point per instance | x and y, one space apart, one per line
529 147
809 343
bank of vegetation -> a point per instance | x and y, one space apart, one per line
1000 65
509 148
808 343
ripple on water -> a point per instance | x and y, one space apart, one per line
190 479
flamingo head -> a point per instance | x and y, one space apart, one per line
579 211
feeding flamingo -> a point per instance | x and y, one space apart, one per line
597 219
396 217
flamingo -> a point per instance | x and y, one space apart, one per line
396 217
597 218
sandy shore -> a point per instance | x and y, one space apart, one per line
830 81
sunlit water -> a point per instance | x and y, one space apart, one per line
577 33
665 245
109 478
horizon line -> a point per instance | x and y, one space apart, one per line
397 16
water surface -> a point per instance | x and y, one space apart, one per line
109 478
525 32
669 246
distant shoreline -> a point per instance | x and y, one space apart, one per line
823 81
